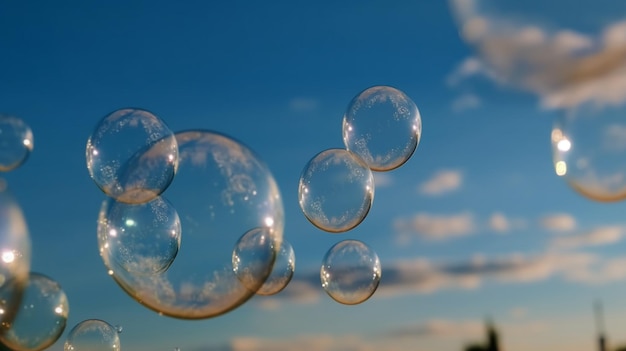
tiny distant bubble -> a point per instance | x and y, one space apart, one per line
41 317
132 155
383 126
93 335
16 142
336 190
350 272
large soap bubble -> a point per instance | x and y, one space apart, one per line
140 238
383 126
350 272
15 254
132 155
16 142
93 335
336 190
589 151
41 318
222 190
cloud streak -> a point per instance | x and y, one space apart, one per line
442 182
563 67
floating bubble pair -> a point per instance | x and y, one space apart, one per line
194 220
381 130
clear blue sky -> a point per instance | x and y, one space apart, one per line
475 224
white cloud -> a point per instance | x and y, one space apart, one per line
436 227
382 179
563 67
500 223
442 182
597 237
465 102
558 222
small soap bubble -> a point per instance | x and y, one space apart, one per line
92 335
350 272
383 126
40 318
284 267
140 238
254 256
589 151
16 142
15 254
221 191
132 155
118 328
336 190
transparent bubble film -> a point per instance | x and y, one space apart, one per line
350 272
41 316
92 335
221 191
336 190
383 126
16 142
132 155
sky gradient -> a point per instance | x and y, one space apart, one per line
475 224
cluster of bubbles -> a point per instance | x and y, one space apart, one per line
381 131
192 225
33 307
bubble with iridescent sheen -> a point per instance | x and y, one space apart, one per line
383 126
252 253
336 190
350 272
140 238
132 155
41 316
16 142
282 272
589 151
15 253
92 335
222 190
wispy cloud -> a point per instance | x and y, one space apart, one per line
423 276
382 179
436 227
558 222
465 102
563 67
442 182
303 104
596 237
500 223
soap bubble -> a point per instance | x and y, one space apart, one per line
336 190
15 253
140 238
589 151
252 256
284 267
16 142
383 126
41 317
92 335
132 155
221 191
350 272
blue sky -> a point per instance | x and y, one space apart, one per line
476 223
